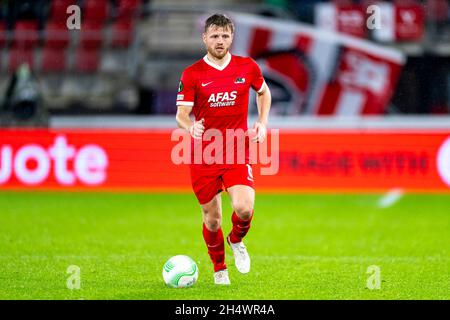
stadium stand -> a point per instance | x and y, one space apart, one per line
35 32
132 51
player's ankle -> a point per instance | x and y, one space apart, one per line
220 267
233 239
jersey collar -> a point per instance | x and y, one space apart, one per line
215 65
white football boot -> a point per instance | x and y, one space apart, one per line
221 277
241 257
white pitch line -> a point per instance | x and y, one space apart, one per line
390 198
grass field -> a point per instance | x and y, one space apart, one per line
302 246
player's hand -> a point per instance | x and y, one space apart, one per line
260 132
196 130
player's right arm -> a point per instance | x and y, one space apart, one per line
195 128
185 103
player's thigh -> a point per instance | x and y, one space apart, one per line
212 212
242 200
206 183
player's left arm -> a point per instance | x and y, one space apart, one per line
263 102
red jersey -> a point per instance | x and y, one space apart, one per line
219 94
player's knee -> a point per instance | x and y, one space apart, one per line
213 224
244 210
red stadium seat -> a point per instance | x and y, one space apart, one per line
53 59
343 2
17 56
122 33
95 11
58 10
56 35
26 34
87 60
127 8
406 3
2 34
438 10
91 35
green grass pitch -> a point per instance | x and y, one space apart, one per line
302 246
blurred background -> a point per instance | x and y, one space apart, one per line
330 65
129 54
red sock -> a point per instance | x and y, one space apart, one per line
215 243
240 228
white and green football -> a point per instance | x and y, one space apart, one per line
180 272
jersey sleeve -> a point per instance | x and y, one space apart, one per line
257 78
186 90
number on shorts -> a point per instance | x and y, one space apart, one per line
250 173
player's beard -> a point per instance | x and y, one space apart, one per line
218 54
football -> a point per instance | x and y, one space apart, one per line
180 272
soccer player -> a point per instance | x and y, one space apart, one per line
216 89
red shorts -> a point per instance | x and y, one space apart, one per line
207 180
